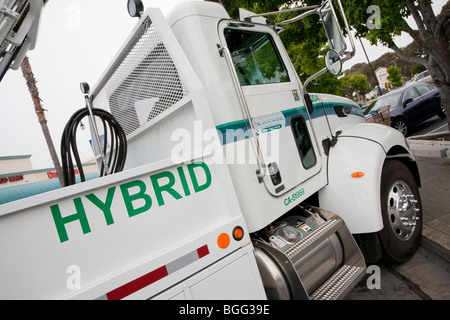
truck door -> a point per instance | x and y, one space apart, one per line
271 91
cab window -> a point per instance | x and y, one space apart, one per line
255 57
303 142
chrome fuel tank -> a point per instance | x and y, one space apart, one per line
308 256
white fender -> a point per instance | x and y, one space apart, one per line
362 148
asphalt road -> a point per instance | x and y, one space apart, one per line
424 277
433 125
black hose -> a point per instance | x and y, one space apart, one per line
117 146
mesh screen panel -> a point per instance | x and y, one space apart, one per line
143 82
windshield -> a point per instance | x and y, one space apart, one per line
255 57
391 100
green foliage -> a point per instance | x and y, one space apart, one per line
392 15
395 76
356 82
417 68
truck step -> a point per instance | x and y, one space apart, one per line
337 285
310 256
306 244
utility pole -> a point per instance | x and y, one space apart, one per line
32 88
370 65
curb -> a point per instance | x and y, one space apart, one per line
433 237
436 242
429 146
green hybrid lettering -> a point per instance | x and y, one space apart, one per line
140 195
104 206
61 221
197 187
135 197
167 187
186 190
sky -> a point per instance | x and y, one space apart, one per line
77 40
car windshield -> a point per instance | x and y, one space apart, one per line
390 100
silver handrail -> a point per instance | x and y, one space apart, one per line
223 50
249 18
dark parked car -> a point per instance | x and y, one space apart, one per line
410 105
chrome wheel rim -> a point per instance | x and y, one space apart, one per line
403 210
401 126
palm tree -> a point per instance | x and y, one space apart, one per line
32 88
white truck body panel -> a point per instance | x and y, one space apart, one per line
350 197
240 271
141 231
362 147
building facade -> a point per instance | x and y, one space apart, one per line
382 75
18 179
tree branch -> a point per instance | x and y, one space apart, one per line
427 14
426 35
415 35
416 15
437 47
441 23
405 57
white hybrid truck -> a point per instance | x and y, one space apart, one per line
234 182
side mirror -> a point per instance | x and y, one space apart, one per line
407 101
332 27
333 62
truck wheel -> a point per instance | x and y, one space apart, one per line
401 210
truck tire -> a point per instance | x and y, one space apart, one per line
401 210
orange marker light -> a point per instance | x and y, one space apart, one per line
238 233
357 174
223 240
